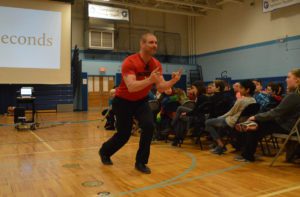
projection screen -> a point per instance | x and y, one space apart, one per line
35 42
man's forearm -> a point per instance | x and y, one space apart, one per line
136 86
164 85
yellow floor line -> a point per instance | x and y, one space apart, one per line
281 191
43 141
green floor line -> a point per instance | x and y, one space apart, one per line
170 183
157 185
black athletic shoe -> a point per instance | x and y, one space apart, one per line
105 159
212 146
241 159
142 168
110 128
174 143
219 150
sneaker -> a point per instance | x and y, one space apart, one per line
248 126
177 142
212 146
110 128
174 143
142 168
219 150
105 159
165 132
241 159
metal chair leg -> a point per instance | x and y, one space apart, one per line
281 149
267 146
262 147
276 142
200 143
273 142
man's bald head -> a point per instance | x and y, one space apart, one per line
145 36
148 44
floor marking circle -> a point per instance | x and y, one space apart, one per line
92 183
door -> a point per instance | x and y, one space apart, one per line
98 91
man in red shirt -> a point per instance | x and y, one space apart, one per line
139 72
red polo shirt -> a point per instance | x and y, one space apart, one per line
134 65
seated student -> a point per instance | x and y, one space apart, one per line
279 94
230 94
152 93
229 119
169 100
280 119
261 97
182 97
190 94
221 102
274 99
210 89
181 121
236 89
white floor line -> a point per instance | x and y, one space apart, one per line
281 191
43 141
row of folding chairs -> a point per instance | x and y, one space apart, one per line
272 139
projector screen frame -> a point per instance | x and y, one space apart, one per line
37 75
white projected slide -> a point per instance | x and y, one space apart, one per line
29 38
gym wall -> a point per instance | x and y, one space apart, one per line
248 43
139 20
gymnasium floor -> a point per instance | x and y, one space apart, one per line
61 159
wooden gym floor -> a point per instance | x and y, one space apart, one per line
61 159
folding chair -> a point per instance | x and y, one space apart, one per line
199 128
189 104
293 135
267 140
154 106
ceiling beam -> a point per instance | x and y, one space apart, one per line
229 1
198 5
235 1
140 6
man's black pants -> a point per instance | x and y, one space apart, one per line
125 111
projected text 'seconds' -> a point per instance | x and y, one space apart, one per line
42 40
34 36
